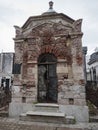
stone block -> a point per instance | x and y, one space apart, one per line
70 120
15 109
66 128
79 112
80 101
68 95
63 101
17 99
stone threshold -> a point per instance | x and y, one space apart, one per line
37 113
46 105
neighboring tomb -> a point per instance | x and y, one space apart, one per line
48 66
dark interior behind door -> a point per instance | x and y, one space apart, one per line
47 78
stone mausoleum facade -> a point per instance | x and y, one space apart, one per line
48 65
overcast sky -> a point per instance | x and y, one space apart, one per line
16 12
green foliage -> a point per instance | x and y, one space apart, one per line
35 102
92 108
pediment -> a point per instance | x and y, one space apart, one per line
36 19
53 28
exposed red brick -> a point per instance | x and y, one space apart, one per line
79 60
82 82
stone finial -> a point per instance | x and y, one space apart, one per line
18 30
50 10
50 5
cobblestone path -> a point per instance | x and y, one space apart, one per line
16 124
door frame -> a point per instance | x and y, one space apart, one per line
44 60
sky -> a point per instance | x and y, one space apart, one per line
16 12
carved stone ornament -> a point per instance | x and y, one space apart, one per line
77 25
47 37
48 29
18 30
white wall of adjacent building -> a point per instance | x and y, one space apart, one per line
6 66
90 70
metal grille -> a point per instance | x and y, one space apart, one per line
47 78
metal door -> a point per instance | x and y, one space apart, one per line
47 78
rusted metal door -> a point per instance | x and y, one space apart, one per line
47 78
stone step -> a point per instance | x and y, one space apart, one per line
47 117
46 107
3 113
46 113
93 118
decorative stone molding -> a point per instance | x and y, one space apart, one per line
77 25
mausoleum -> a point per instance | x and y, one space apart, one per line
48 65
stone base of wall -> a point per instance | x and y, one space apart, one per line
24 95
15 109
79 112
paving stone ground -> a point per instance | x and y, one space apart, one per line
16 124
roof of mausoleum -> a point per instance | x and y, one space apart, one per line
50 14
50 10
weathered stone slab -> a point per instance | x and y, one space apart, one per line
49 107
79 112
15 109
54 114
70 120
48 117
